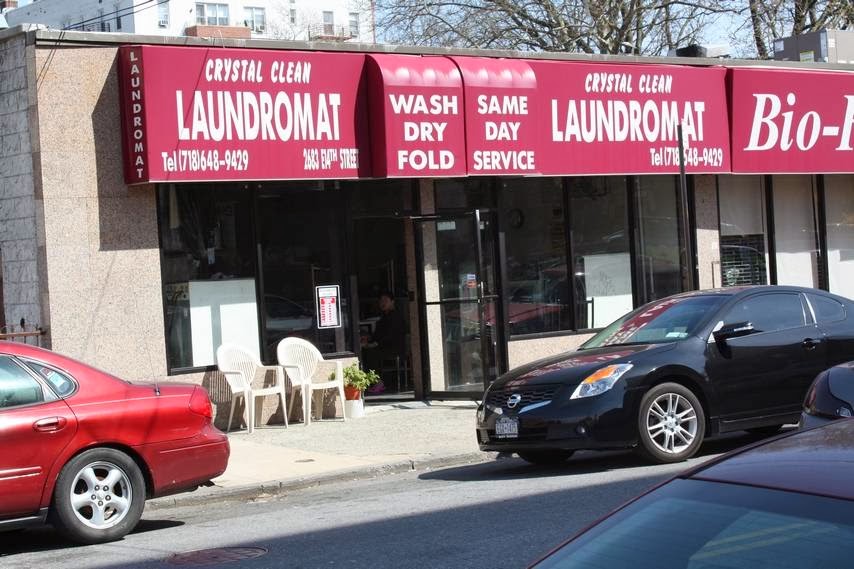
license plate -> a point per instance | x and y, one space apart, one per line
506 428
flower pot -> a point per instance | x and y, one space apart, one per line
352 393
355 408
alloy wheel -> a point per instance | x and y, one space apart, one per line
671 423
101 495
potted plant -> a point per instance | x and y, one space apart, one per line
356 381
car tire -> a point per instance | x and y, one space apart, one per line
87 511
545 457
768 431
671 423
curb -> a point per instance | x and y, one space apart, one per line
278 487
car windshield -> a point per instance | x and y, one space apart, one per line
694 524
668 320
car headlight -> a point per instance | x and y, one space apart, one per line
600 381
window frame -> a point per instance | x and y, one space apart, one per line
48 394
819 201
355 17
26 361
827 298
250 14
217 7
253 198
806 315
163 19
569 249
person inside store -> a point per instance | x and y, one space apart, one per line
387 341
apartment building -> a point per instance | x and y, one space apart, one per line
335 20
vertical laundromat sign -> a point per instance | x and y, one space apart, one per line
206 114
133 115
792 121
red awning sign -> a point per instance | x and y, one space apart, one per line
235 114
501 116
614 118
416 109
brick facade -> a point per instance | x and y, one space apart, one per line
224 32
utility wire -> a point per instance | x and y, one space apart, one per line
134 9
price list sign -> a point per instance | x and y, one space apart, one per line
328 306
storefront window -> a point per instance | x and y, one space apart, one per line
464 193
660 243
744 236
795 238
601 258
208 272
380 197
538 280
839 208
300 236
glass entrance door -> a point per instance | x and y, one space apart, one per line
463 324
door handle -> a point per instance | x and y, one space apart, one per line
50 424
810 344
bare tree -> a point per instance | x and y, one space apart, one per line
759 22
291 21
588 26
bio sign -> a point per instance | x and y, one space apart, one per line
226 114
790 121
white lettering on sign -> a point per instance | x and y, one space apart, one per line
504 160
503 105
137 132
421 159
603 82
228 70
502 130
772 128
608 83
244 115
421 105
290 72
620 121
424 131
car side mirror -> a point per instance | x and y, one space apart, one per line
736 330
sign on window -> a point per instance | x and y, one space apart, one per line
328 306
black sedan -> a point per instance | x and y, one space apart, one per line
785 503
666 375
830 397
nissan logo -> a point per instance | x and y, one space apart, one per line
514 400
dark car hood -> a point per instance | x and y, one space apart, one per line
572 367
815 461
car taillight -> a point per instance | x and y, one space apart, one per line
200 403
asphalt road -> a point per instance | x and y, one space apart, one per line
503 513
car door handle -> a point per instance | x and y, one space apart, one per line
810 344
49 424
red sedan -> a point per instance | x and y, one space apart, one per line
83 449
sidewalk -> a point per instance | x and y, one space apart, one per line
388 439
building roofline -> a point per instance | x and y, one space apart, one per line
40 35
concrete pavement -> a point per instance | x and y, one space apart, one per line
390 438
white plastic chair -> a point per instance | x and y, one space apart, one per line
239 367
300 359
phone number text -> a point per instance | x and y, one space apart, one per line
205 160
669 156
